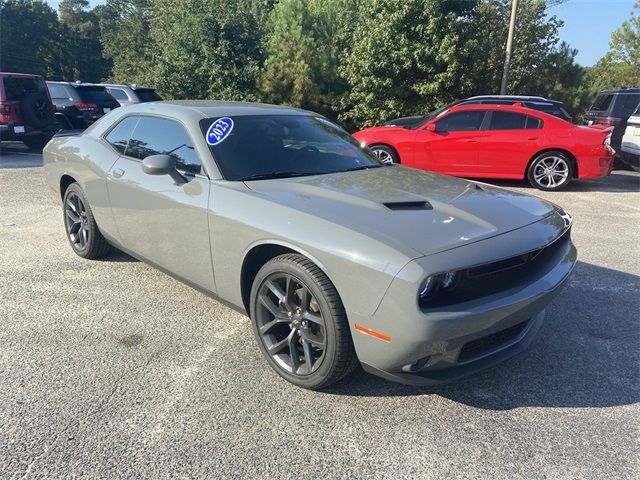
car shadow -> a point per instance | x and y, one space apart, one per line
586 354
619 181
118 257
17 155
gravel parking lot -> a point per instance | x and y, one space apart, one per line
112 369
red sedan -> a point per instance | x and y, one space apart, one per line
497 141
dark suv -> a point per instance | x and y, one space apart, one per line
26 111
552 107
613 108
78 105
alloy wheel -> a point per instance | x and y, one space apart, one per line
290 324
551 172
383 156
76 221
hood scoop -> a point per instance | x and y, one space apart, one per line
410 205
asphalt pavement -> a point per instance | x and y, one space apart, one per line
111 369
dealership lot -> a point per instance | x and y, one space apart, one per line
113 369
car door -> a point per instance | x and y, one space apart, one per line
452 147
157 219
509 142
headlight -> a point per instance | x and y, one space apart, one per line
427 287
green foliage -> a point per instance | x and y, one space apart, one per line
620 67
207 49
29 38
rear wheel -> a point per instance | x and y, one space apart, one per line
300 323
385 154
81 228
550 171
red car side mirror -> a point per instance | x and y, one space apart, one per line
431 127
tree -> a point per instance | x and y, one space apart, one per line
81 42
125 36
304 47
620 67
207 49
29 38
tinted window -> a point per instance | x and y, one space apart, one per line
147 95
602 102
461 121
533 122
158 136
507 121
93 94
15 88
57 91
625 105
118 94
120 134
272 146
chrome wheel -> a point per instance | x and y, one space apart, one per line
551 172
76 221
383 155
290 324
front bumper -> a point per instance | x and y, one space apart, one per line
436 345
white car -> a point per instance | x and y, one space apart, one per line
630 153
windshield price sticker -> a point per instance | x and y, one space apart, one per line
219 130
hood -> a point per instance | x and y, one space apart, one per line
407 208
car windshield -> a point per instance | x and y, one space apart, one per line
258 147
147 95
429 116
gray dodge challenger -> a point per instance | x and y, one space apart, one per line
337 259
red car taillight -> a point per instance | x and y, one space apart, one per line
86 106
609 121
6 113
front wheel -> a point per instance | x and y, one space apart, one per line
300 323
550 171
385 154
81 228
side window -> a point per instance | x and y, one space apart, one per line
533 123
159 136
507 121
461 121
118 94
119 136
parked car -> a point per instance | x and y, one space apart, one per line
78 105
336 257
630 149
613 108
552 107
129 94
26 111
497 141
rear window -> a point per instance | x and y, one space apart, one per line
57 91
118 94
91 94
507 121
602 102
625 104
147 95
15 88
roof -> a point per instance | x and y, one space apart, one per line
212 108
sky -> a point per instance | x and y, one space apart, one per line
587 24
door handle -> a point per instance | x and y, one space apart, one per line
472 141
532 138
117 172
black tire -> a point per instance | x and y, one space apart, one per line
36 142
85 237
337 358
37 109
385 154
550 171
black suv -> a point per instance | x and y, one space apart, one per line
613 108
78 105
552 107
26 111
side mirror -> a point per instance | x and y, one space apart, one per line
431 127
162 165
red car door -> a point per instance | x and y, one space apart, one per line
450 144
511 139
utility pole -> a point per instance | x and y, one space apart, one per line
507 59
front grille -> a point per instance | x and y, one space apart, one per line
483 345
491 278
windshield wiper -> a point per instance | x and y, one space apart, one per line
267 176
364 167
